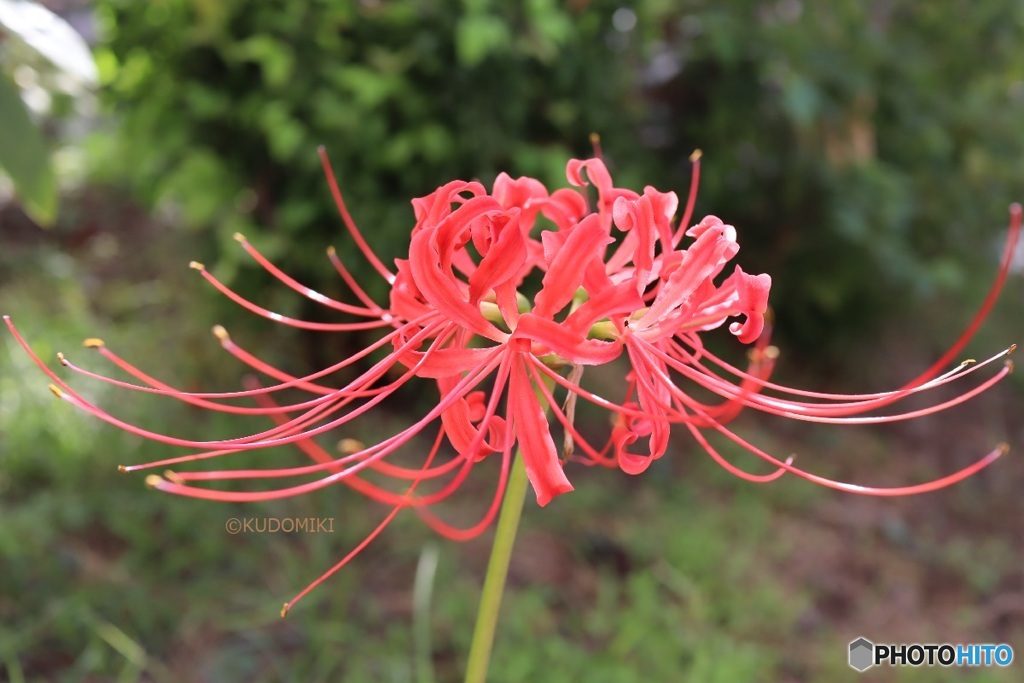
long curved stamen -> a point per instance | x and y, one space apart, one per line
693 360
350 224
283 319
355 551
222 335
822 412
691 199
264 439
489 413
345 560
365 458
432 329
851 488
456 534
915 489
761 365
318 454
360 293
728 466
161 389
357 483
64 391
302 289
326 463
589 395
595 456
1012 236
453 533
826 416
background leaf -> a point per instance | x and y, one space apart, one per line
25 156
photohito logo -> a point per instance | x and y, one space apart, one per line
864 654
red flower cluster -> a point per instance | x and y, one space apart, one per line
625 279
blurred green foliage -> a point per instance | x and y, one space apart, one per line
866 150
224 104
842 138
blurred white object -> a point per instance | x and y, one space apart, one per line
51 37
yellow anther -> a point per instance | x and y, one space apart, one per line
331 251
170 475
122 468
56 391
60 357
154 481
239 237
696 155
768 353
350 446
196 265
93 343
220 333
284 610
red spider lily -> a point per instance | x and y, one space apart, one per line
618 279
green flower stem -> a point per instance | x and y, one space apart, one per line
497 566
497 571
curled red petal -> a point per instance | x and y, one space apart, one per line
543 467
504 260
596 171
440 288
610 302
526 194
702 261
437 205
637 217
445 362
564 208
664 206
582 245
569 345
598 174
753 302
458 425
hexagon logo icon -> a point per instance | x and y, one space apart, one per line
862 654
